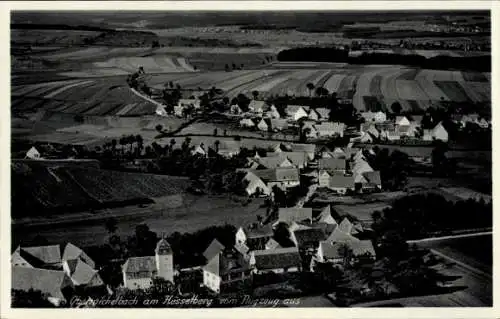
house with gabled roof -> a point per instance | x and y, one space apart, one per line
402 121
278 260
160 111
225 266
373 180
323 178
374 117
257 106
255 185
228 148
333 252
326 129
309 149
273 112
346 226
278 124
341 184
437 133
200 150
281 177
272 162
339 236
324 113
313 115
308 238
254 238
33 153
55 284
263 125
294 214
298 159
325 216
139 272
296 112
247 122
272 244
235 109
332 165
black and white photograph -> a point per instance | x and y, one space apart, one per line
250 159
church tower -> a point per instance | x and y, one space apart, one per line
164 260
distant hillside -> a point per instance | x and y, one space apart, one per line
41 26
38 190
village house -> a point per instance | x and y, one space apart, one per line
437 133
160 110
279 260
235 109
336 252
289 215
336 153
270 162
341 184
247 123
309 238
323 178
225 267
313 115
390 135
194 103
273 112
327 129
179 110
278 125
372 181
138 272
332 165
228 148
200 150
374 117
55 284
324 113
255 185
272 244
257 107
255 238
263 125
33 153
340 236
325 216
298 159
309 149
371 129
401 121
281 177
73 261
296 112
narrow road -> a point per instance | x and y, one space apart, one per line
448 237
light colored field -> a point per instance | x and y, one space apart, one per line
152 64
410 90
333 83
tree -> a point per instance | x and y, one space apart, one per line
159 128
255 94
310 87
217 143
396 107
111 225
226 67
215 131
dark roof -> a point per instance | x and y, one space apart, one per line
260 231
277 174
213 249
145 264
373 177
230 260
297 214
50 282
338 235
84 275
42 255
308 236
332 164
338 181
277 258
358 248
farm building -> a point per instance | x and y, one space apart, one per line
330 129
272 244
194 103
294 214
200 150
341 184
278 124
308 238
336 153
390 135
362 212
374 117
437 133
280 177
271 162
334 252
324 113
255 185
255 238
298 159
332 164
323 178
77 265
273 113
325 216
160 110
55 284
33 153
401 121
138 272
263 125
296 112
247 123
278 260
340 236
257 107
179 110
235 109
224 266
228 148
313 115
309 149
372 181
